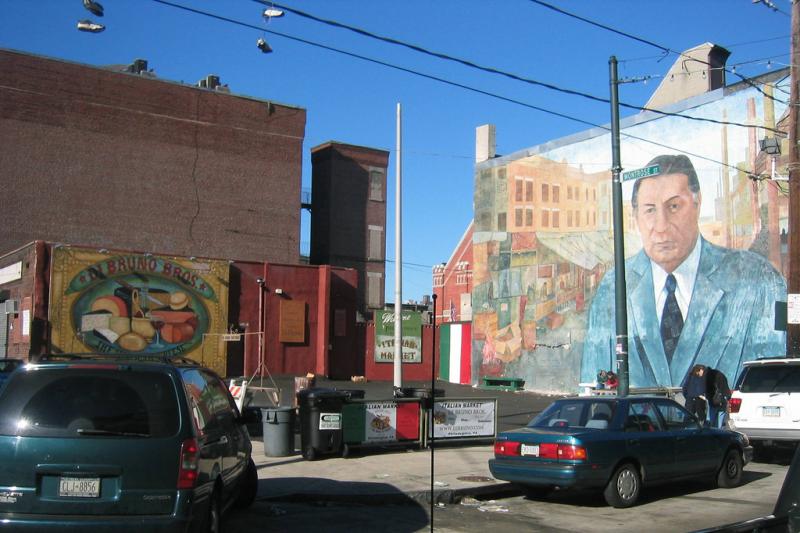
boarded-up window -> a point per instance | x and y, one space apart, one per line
375 242
376 185
374 290
501 221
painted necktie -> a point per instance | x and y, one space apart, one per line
671 320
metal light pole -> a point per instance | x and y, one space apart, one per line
398 257
621 306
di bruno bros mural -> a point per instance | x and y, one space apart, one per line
543 246
138 303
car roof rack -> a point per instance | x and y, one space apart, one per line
154 357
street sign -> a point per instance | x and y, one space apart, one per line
644 172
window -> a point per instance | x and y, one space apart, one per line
555 218
545 219
501 221
65 402
518 187
529 190
569 193
675 416
529 217
771 378
556 193
569 219
374 290
575 414
642 417
376 185
518 217
545 192
375 242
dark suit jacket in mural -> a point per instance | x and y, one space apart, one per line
730 319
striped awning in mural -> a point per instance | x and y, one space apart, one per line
455 353
586 250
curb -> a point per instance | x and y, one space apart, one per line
446 496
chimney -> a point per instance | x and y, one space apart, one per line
209 82
485 145
699 70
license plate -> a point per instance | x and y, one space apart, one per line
771 411
530 449
79 487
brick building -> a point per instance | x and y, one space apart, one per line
452 283
124 160
348 222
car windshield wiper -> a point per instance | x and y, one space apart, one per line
111 433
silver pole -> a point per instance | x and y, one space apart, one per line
398 258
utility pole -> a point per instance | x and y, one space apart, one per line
620 289
793 330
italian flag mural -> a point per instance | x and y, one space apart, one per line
454 349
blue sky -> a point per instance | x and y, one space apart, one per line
354 101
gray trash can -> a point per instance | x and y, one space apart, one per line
278 424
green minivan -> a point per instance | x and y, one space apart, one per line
121 443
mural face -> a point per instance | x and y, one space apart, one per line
134 303
543 297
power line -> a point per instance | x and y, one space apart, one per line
647 42
492 70
451 83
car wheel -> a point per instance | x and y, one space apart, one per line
248 487
624 487
730 473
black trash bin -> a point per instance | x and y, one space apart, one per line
353 394
320 421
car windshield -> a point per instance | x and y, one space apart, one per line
771 378
70 402
576 414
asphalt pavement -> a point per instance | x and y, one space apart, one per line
450 471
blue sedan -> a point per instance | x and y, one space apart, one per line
618 444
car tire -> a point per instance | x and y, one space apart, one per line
624 487
249 486
730 473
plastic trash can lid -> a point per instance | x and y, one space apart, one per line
318 392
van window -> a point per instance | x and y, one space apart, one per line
771 378
73 402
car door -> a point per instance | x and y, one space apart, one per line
695 448
648 441
232 436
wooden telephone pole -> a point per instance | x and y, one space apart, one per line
793 330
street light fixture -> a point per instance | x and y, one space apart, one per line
90 27
271 13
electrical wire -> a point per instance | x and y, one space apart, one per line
515 77
643 41
449 82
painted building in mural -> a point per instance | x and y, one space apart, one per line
543 268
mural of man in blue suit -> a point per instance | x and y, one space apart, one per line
689 301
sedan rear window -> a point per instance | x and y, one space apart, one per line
771 378
70 402
595 415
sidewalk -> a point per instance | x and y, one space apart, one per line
375 475
395 474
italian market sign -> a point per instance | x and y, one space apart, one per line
384 337
463 419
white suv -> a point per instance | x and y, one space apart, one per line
765 403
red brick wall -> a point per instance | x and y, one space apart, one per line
116 160
411 371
